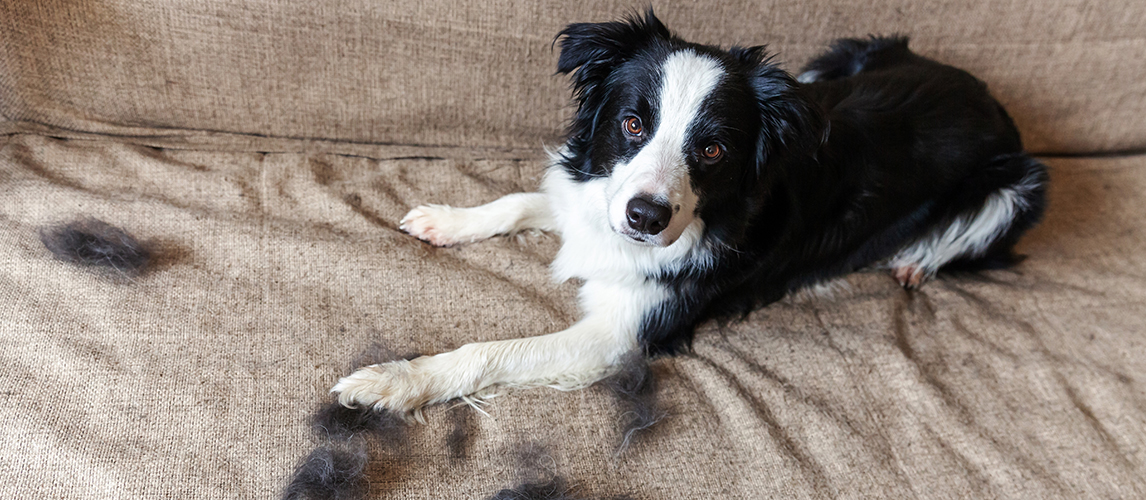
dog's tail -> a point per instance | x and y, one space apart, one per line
848 56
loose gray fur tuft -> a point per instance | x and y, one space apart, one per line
333 471
539 478
339 423
92 242
336 469
634 389
555 488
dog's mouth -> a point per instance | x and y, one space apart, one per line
642 239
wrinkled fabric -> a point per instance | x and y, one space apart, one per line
264 152
271 272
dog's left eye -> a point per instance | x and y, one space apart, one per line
633 126
712 153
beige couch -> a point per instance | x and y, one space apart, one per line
266 150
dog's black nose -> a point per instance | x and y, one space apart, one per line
647 216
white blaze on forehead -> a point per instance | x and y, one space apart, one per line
687 79
660 169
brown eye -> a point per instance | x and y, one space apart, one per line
712 152
633 126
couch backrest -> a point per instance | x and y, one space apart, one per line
466 73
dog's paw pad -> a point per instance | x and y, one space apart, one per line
909 277
430 223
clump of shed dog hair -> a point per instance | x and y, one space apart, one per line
539 478
554 488
336 469
331 471
458 441
339 423
635 392
92 242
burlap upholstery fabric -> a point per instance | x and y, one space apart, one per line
264 185
274 271
451 73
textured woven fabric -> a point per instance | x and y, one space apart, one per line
265 150
449 73
274 271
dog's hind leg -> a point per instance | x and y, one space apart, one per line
570 359
443 225
980 235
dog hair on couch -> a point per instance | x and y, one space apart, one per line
634 389
538 478
92 242
337 466
701 183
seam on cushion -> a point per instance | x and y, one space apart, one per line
190 133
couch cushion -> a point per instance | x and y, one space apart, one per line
478 74
274 272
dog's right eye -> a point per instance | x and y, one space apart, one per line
632 126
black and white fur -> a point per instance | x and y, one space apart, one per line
701 183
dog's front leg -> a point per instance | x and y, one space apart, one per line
443 225
570 359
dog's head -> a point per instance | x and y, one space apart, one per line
678 133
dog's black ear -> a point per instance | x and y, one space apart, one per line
791 123
591 50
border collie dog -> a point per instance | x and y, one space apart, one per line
700 183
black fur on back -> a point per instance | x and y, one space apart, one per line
822 178
92 242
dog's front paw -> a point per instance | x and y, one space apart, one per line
434 224
397 386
